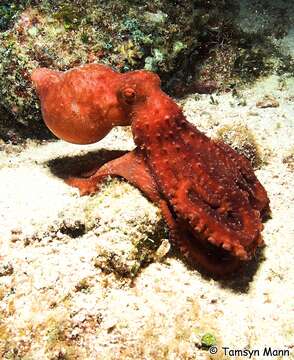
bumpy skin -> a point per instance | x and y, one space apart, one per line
211 199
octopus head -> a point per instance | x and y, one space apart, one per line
83 104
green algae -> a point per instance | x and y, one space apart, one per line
208 340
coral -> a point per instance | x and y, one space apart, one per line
252 62
267 102
8 12
239 57
208 194
186 42
123 34
241 139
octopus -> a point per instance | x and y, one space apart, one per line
210 198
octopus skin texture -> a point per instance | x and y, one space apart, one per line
209 195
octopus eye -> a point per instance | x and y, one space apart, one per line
129 95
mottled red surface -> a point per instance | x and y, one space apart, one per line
209 195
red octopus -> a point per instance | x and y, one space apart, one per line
209 195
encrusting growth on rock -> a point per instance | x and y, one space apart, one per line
209 195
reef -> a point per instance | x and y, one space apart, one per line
127 35
211 200
192 45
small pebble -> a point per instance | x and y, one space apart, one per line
268 101
16 230
14 237
6 269
109 324
163 249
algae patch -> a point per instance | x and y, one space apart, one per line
240 138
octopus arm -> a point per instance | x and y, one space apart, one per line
201 182
247 180
134 169
219 263
130 166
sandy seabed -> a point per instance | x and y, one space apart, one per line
72 280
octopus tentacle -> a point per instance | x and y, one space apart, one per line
130 166
248 181
134 169
196 252
205 181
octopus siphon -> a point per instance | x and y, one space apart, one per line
210 198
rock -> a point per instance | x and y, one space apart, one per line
268 101
130 230
240 138
6 269
288 159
